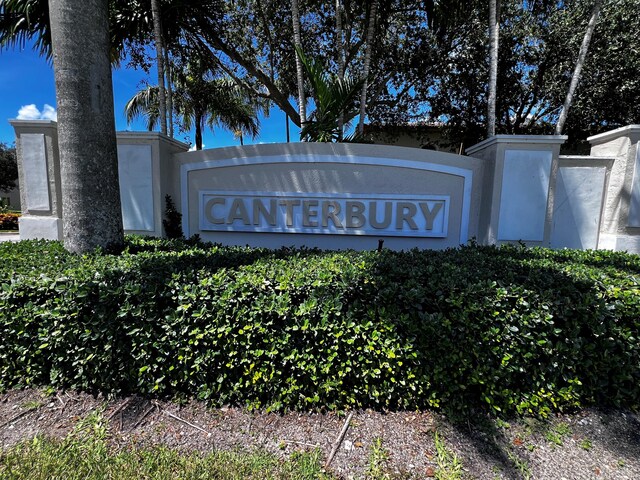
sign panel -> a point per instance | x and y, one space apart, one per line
324 213
36 176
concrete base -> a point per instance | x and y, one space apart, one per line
619 243
45 228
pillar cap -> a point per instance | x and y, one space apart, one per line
625 131
17 122
130 135
520 139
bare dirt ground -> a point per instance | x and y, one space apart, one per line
591 444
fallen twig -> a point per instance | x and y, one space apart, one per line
144 415
338 441
120 408
18 416
314 445
175 417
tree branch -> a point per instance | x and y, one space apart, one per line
276 95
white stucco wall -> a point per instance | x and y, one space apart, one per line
346 172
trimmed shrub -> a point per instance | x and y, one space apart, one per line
504 328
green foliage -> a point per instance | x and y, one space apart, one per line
85 454
333 97
377 465
172 222
557 433
586 444
507 329
449 465
428 66
8 168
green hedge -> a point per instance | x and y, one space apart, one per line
509 329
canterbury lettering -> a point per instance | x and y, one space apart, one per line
424 216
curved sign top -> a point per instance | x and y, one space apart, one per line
329 195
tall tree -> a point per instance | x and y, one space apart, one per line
340 59
297 42
86 127
494 35
169 89
367 64
582 55
157 35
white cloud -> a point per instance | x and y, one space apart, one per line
192 148
31 112
49 113
28 112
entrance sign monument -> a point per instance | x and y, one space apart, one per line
508 188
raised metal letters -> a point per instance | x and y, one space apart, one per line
316 213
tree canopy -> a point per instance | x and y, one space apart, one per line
8 168
429 58
201 98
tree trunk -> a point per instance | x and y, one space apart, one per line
157 34
198 124
297 41
91 209
367 64
167 64
582 55
340 60
494 35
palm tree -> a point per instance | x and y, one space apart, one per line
582 55
334 98
367 62
157 36
86 126
199 100
340 57
297 43
494 35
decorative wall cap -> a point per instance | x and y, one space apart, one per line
521 139
16 122
613 134
151 136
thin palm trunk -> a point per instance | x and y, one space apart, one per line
286 125
340 60
86 129
297 42
157 33
198 122
169 92
494 35
582 55
367 64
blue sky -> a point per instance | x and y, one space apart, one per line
27 85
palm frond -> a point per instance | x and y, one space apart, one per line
24 20
144 104
334 97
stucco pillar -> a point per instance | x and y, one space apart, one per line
620 228
145 174
39 179
144 160
518 187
